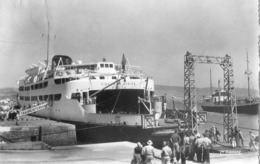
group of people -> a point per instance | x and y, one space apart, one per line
179 150
213 134
194 145
143 154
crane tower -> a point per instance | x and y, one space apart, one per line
190 100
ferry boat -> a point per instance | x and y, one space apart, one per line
110 101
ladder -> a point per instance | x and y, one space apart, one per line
34 109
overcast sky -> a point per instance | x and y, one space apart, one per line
153 34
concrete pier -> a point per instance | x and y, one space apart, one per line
31 129
109 153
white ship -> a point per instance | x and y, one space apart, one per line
77 91
115 96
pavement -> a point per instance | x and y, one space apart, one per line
109 153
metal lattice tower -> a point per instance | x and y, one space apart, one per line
190 99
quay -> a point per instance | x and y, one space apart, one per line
32 129
111 153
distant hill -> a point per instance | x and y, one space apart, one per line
177 91
8 92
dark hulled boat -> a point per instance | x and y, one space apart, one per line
216 103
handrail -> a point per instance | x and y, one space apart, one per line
34 109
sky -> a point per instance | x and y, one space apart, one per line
152 34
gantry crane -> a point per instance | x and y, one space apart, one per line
190 100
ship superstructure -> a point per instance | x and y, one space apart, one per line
102 98
69 87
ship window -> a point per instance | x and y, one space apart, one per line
45 97
27 88
21 98
111 65
40 85
93 66
63 80
101 65
36 86
45 84
92 77
50 97
102 77
27 98
106 65
21 88
32 87
67 79
113 77
34 98
57 81
40 98
132 77
57 97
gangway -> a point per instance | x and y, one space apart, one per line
34 109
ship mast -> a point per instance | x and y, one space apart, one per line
210 83
48 42
248 73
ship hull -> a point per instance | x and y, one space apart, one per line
251 108
95 133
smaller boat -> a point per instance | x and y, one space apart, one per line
216 102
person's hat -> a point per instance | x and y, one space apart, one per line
149 142
197 135
164 143
139 144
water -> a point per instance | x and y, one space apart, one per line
246 123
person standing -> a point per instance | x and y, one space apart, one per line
217 134
137 159
199 148
241 138
148 152
166 153
233 138
186 144
175 140
252 140
213 134
192 141
236 136
206 142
